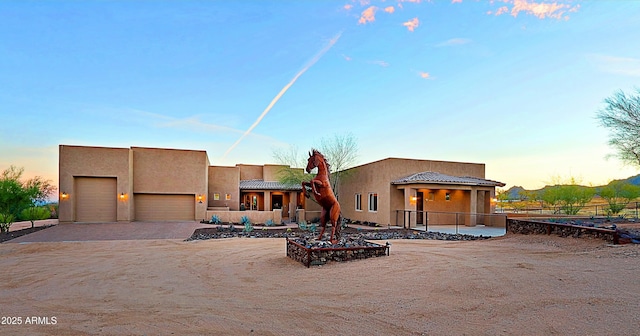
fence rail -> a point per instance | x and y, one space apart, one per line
631 210
410 218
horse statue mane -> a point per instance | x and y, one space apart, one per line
323 194
315 152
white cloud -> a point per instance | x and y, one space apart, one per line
625 66
453 42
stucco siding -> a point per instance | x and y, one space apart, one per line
377 176
82 161
250 172
223 181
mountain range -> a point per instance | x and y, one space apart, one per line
514 192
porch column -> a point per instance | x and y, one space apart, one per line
473 207
267 201
410 194
293 203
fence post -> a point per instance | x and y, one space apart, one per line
426 221
457 222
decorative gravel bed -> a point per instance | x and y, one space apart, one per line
5 236
348 235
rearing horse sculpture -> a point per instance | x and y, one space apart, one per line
322 192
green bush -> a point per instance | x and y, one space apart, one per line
5 221
269 222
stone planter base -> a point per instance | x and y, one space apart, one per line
321 255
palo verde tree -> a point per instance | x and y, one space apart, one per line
17 195
569 197
340 150
618 194
621 116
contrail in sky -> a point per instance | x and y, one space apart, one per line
284 89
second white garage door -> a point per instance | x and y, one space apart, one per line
156 207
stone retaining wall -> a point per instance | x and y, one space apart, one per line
529 226
320 256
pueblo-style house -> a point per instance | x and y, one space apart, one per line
100 184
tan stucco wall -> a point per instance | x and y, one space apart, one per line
250 172
270 172
224 180
171 171
376 177
256 217
83 161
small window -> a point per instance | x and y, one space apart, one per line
358 202
447 197
373 202
227 197
216 197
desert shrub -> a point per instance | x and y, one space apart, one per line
5 221
248 226
315 220
269 222
313 228
215 220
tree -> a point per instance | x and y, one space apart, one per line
35 213
293 172
621 117
618 194
17 195
339 150
569 197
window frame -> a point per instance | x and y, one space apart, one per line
358 201
372 206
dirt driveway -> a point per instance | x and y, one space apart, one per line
513 285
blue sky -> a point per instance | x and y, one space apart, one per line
514 84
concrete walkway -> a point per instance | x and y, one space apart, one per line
478 230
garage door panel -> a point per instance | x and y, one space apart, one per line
96 199
157 207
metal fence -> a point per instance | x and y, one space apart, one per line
631 210
412 219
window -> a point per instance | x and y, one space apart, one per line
227 197
216 197
447 196
373 202
358 202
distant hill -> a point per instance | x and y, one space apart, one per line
514 192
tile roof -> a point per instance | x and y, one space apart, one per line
434 177
267 185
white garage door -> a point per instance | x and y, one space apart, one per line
156 207
96 199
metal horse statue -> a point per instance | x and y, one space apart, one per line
322 192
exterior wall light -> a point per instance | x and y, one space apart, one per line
414 199
122 197
200 198
64 196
